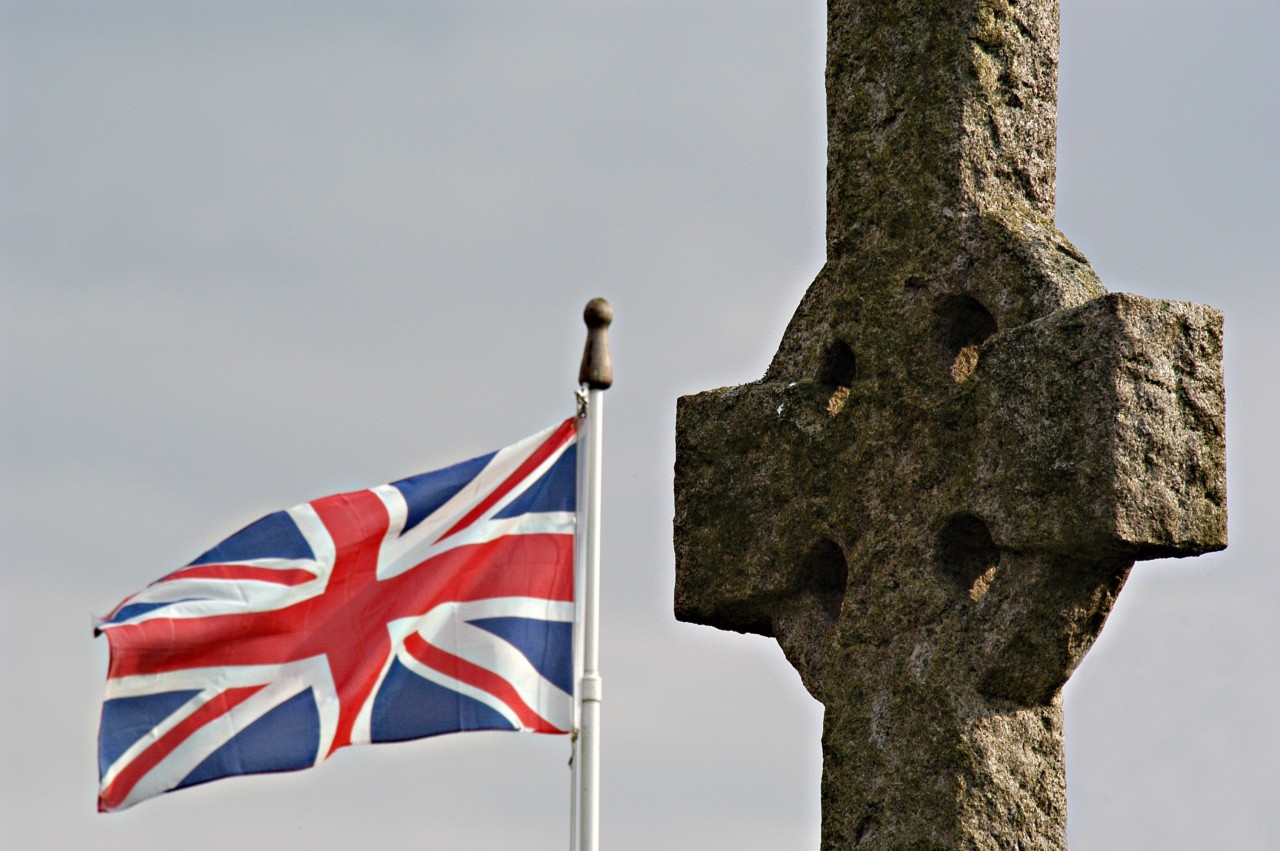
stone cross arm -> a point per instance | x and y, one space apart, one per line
1082 434
1094 434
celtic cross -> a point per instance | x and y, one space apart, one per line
963 443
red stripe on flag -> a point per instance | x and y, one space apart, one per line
512 566
562 435
478 677
243 572
115 793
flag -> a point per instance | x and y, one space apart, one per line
433 604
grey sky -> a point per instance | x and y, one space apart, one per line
253 253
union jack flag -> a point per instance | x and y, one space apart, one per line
434 604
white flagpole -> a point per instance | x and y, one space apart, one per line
596 376
579 572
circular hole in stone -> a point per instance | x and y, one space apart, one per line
839 367
967 556
963 324
824 573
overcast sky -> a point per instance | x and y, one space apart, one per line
256 252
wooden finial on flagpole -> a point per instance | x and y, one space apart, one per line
596 371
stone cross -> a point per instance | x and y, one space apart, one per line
935 493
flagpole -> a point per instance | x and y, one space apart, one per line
595 376
579 568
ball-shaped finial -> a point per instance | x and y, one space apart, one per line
596 371
598 313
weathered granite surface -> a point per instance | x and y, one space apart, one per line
935 493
